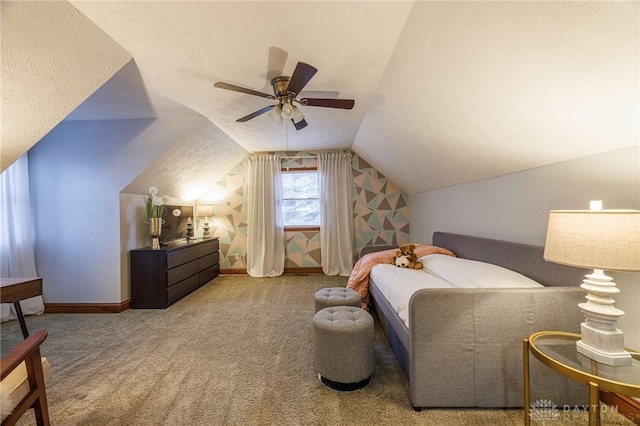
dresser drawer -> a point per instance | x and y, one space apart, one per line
209 247
181 289
183 271
182 256
208 260
209 274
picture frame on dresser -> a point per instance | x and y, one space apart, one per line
176 223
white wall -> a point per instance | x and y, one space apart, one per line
133 234
76 174
516 207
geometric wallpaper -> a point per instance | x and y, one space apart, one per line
380 208
230 216
380 215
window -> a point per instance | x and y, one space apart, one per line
300 199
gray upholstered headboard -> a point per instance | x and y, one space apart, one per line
521 258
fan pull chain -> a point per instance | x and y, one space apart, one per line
286 131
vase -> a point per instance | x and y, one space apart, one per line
155 229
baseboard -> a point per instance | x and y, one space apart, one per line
233 271
292 270
627 406
86 308
297 270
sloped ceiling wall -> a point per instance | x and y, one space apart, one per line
192 166
188 169
480 89
53 58
124 97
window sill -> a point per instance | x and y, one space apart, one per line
302 228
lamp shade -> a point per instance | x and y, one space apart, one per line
594 239
205 210
287 110
276 112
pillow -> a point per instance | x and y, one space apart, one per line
465 273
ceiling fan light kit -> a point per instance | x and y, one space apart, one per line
289 111
286 90
276 113
297 115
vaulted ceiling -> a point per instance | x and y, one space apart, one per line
445 92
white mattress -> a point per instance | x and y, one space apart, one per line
397 285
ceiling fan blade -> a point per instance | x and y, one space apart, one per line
228 86
329 103
255 114
300 124
331 94
276 62
300 77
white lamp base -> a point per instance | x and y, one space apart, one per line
205 233
601 340
606 347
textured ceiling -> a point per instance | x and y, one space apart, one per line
480 89
446 92
52 60
182 48
186 170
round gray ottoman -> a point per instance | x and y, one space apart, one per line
343 347
336 296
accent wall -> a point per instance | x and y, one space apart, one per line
380 214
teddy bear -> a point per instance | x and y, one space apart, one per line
406 258
401 261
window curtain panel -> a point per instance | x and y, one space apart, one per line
336 213
17 259
265 226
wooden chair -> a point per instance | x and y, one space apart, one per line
23 365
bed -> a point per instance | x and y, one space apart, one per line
464 345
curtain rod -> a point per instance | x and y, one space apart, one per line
297 156
311 156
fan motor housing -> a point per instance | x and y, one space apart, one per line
279 85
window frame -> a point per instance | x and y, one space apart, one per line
301 227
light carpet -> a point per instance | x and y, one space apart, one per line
238 351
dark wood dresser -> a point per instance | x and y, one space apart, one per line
161 277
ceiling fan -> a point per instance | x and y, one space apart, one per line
286 90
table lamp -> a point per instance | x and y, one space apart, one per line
205 210
598 240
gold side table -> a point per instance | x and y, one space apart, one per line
557 350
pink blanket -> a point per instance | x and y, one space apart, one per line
359 278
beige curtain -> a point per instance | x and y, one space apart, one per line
336 213
265 229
